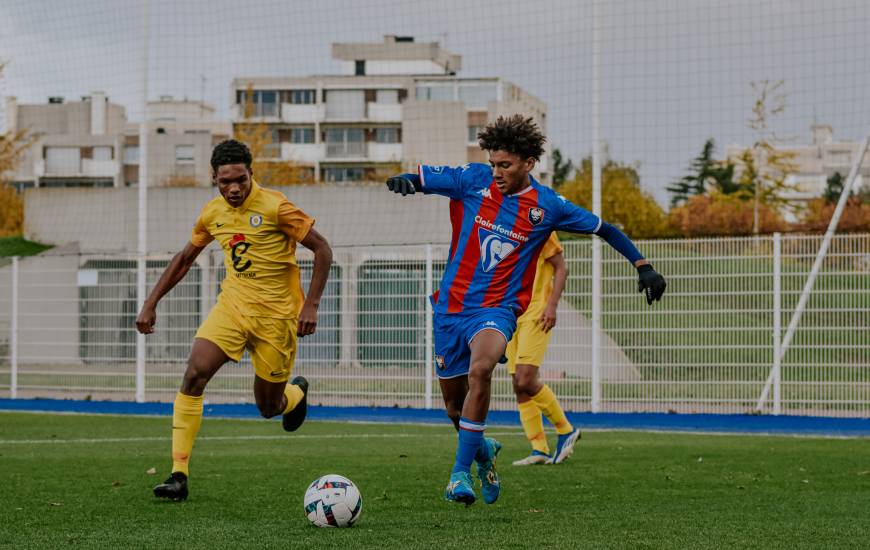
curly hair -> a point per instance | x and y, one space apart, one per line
230 151
515 134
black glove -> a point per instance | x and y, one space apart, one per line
650 283
406 184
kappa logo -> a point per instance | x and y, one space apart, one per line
485 192
494 248
536 215
490 324
439 361
436 169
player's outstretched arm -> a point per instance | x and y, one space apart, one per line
318 244
406 184
174 272
651 283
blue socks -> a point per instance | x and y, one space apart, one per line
470 444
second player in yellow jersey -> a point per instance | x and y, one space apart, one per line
525 353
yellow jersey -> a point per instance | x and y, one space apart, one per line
543 285
259 242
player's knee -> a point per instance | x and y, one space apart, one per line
194 381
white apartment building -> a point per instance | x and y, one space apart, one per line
816 162
395 104
90 143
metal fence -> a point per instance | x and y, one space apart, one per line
67 329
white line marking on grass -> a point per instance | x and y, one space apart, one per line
234 438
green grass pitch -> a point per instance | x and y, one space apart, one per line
82 482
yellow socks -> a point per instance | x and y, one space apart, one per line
533 425
294 396
549 405
186 418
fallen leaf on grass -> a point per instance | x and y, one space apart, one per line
151 471
116 483
55 504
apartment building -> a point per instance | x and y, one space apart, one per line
181 135
393 105
78 143
815 162
90 143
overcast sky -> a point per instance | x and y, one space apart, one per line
674 72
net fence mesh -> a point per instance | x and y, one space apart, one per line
331 109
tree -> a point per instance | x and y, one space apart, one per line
765 169
833 187
705 172
719 214
561 169
817 216
261 140
623 202
13 145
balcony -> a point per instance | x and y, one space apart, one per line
346 150
100 168
384 112
306 113
303 152
385 152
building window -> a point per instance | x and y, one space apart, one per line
264 102
436 92
299 97
387 135
302 135
359 68
387 96
102 152
63 160
472 133
184 154
131 154
343 174
345 104
476 95
345 142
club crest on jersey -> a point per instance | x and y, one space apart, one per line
536 215
439 361
494 248
256 220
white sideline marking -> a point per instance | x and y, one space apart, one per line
234 438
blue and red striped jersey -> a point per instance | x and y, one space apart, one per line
496 238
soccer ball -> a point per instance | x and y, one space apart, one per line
333 501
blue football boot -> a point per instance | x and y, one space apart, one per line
459 489
565 447
489 482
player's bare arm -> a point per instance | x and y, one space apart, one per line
174 272
560 276
318 244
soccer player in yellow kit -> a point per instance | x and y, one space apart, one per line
261 306
525 353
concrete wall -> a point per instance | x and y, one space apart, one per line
48 305
106 220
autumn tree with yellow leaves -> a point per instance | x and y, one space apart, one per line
13 145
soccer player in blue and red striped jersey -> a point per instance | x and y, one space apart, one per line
501 220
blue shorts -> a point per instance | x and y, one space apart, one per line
454 332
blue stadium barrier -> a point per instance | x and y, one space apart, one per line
718 423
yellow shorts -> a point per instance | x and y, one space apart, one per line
528 346
271 342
